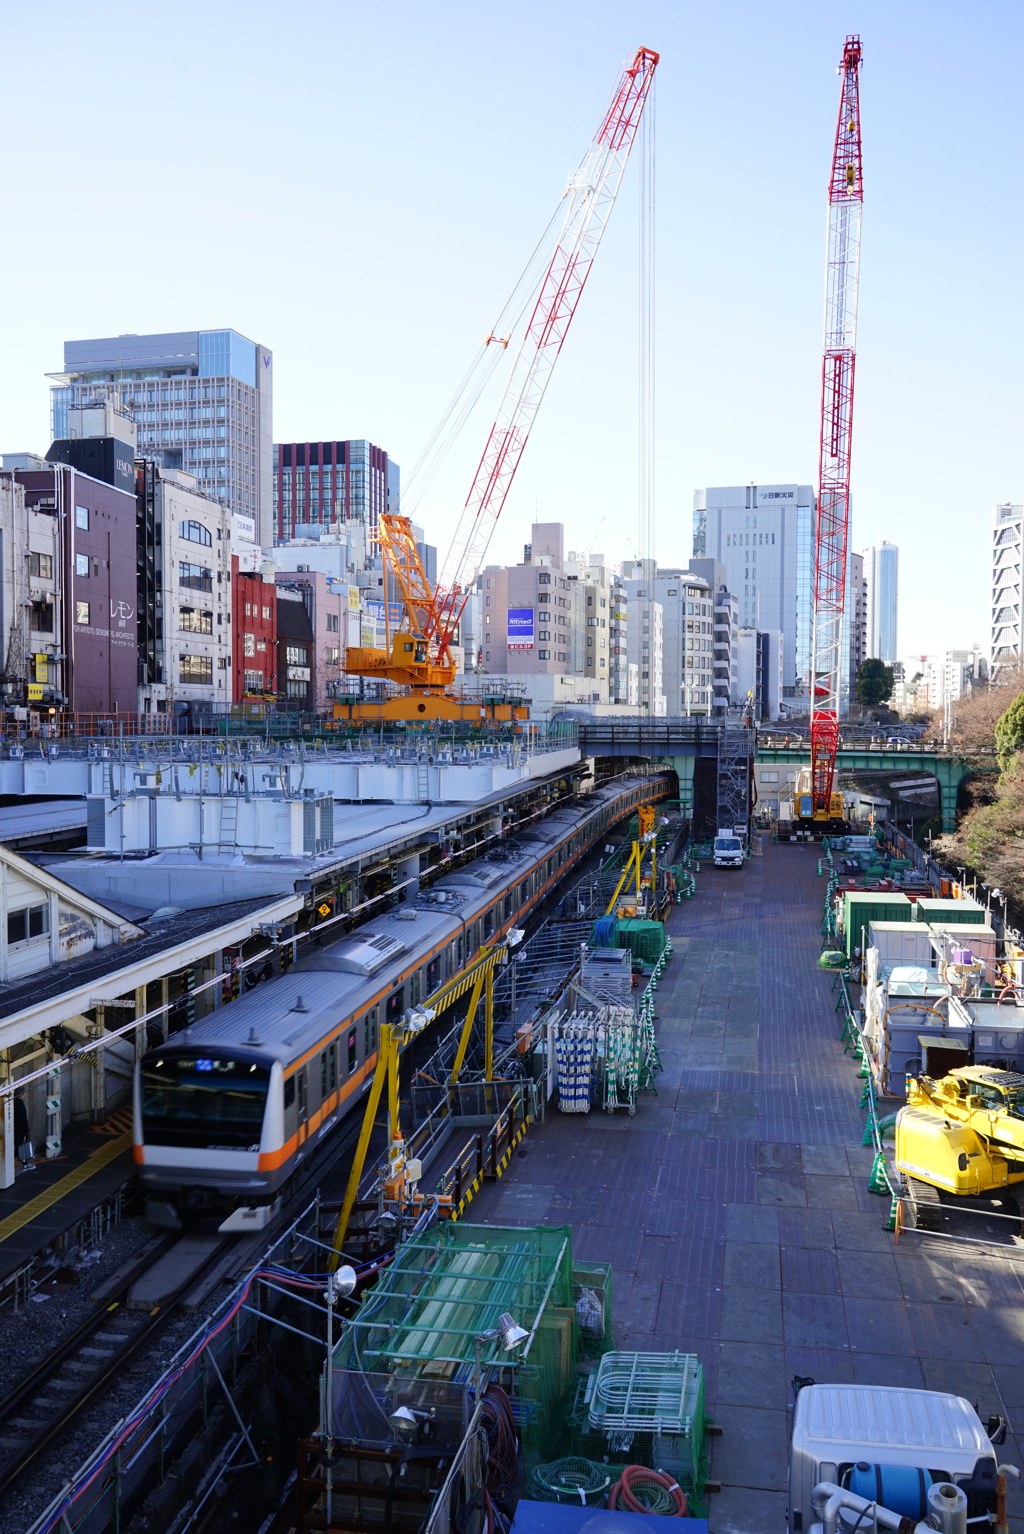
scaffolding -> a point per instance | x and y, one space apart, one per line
734 765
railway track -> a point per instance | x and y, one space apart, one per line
74 1376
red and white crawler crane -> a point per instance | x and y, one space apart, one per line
845 207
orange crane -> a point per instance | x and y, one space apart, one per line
419 656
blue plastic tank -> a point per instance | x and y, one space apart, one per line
902 1489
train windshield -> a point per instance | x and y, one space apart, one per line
202 1101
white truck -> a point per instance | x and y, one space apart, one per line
876 1457
728 851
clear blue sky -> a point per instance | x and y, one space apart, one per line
358 188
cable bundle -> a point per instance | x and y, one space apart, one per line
640 1490
576 1481
502 1449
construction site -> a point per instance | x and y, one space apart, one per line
461 1122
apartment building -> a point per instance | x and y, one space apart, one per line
327 613
1006 608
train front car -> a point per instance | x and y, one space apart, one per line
208 1136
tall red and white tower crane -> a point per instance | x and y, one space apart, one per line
591 194
845 207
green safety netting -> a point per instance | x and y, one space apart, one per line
644 938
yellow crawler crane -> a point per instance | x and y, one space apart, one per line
965 1132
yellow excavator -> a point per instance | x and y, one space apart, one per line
963 1133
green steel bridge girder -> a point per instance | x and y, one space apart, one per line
948 771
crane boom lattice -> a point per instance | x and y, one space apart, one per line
591 194
846 202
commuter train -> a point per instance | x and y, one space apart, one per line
226 1110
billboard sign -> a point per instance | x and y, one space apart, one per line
520 628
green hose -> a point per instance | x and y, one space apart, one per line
579 1482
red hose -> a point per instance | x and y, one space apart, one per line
622 1491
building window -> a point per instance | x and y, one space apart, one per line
194 577
296 655
41 565
34 921
82 564
42 617
82 517
543 580
196 669
195 532
332 656
266 615
544 654
254 681
82 612
248 644
332 623
297 689
193 620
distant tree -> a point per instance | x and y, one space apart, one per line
976 714
1010 733
874 682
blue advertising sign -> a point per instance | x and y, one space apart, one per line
520 628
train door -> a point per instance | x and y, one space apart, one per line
302 1103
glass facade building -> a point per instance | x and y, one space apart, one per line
881 574
202 401
763 535
319 486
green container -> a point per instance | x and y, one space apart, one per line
863 906
960 913
645 939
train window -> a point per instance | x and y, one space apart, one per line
289 1091
369 1033
352 1051
394 1006
489 923
524 891
432 975
506 908
459 947
551 867
414 990
300 1083
190 1101
323 1075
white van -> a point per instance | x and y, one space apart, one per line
728 850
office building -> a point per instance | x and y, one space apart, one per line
856 616
327 609
68 623
202 401
294 651
881 579
253 632
1006 637
186 654
763 535
951 675
687 600
759 673
321 486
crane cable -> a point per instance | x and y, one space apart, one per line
646 393
473 384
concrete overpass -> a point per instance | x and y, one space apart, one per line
948 770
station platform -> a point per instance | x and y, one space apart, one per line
734 1207
50 1200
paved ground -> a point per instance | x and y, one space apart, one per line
734 1206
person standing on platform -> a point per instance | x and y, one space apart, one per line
22 1135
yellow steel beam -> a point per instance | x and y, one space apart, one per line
388 1045
467 1027
489 1025
625 875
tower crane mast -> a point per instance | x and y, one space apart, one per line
845 207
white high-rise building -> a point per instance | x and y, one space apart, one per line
881 577
1006 640
763 535
201 400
